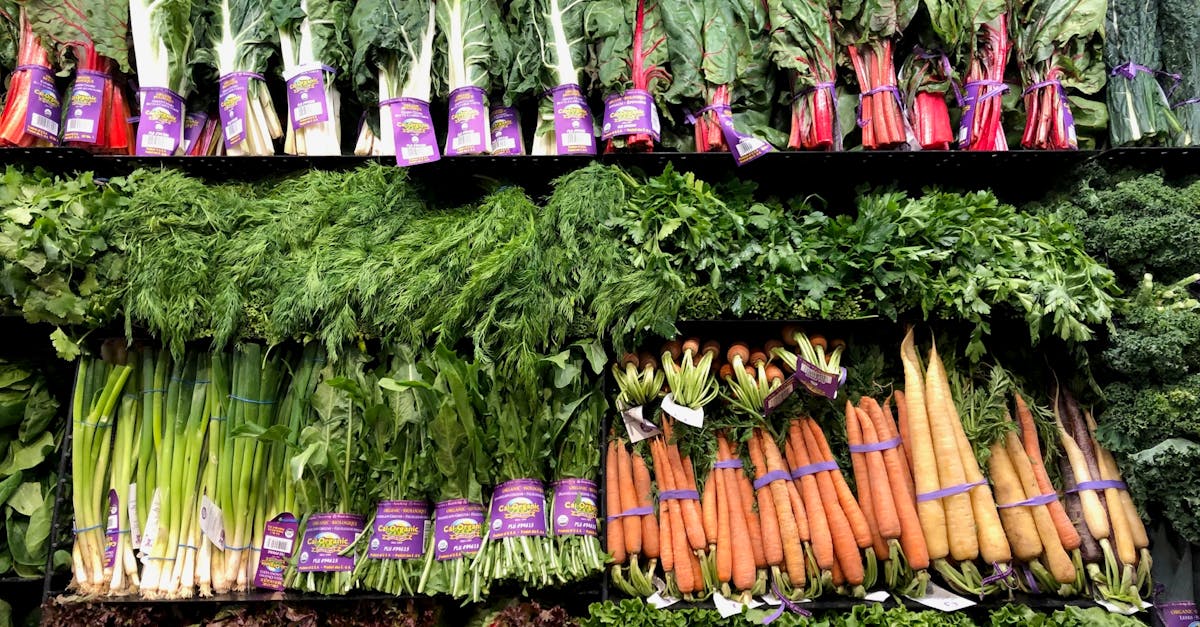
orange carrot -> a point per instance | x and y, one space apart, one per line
854 515
881 492
739 533
641 482
793 552
684 577
612 505
693 522
772 544
629 501
862 480
708 507
845 548
753 521
666 556
821 538
1067 534
905 455
724 539
912 538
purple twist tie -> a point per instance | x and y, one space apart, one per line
878 90
1190 101
877 446
1104 484
998 574
1047 83
691 117
1041 499
947 69
950 491
813 469
767 479
784 604
637 511
1033 587
729 463
679 495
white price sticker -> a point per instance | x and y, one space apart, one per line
637 426
942 599
727 607
1123 608
659 599
879 596
151 533
135 529
686 415
212 522
772 600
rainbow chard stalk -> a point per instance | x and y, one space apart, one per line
802 43
631 47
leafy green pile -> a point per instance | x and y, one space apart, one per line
29 434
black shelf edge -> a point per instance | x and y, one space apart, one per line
65 597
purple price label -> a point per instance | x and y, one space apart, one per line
778 396
399 531
44 107
458 529
506 132
1178 614
160 124
306 95
325 536
518 509
573 130
631 113
818 381
468 132
232 104
112 531
744 148
85 107
279 540
412 130
1069 121
575 507
193 127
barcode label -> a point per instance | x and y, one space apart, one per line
576 138
80 125
234 129
277 544
466 139
310 109
418 151
158 142
501 144
43 123
113 521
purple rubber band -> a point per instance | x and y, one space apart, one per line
98 73
1106 484
1041 499
1033 587
30 66
813 469
679 495
784 604
950 491
947 69
729 463
877 446
830 86
1047 83
878 90
770 477
998 574
691 117
637 511
1190 101
1129 70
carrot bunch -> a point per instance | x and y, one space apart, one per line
682 539
751 377
955 505
689 372
885 493
732 526
639 380
816 350
1114 543
18 125
783 520
633 532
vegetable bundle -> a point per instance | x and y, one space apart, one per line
802 42
243 40
313 47
869 32
31 106
163 47
1138 110
632 51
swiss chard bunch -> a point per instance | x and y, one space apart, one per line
802 43
869 30
631 50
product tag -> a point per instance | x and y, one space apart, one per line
574 133
778 396
1123 609
575 507
660 599
85 107
770 599
135 529
518 509
1178 614
879 596
637 426
160 124
399 531
728 607
506 132
818 381
151 533
412 130
212 522
942 599
458 529
468 131
43 106
112 530
232 104
744 148
686 415
631 113
305 87
193 130
279 538
325 537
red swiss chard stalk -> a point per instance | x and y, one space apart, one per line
883 123
988 65
641 73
